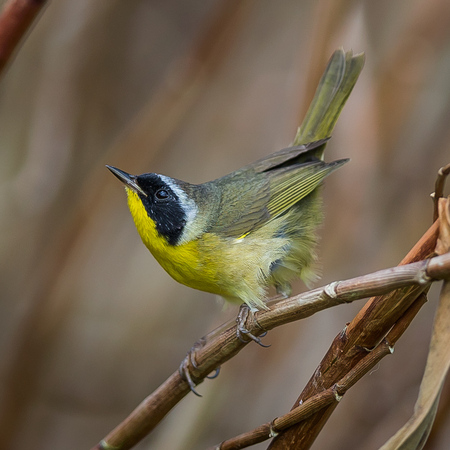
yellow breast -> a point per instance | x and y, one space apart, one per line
235 268
182 262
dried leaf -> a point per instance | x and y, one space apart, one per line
414 433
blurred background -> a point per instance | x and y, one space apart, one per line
89 322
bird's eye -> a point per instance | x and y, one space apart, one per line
162 194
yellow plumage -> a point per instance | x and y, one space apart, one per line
236 268
255 227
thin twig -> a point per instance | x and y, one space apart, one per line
439 188
221 345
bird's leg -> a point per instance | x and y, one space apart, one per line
242 332
190 359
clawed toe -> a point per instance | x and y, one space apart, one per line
214 375
189 360
185 373
242 333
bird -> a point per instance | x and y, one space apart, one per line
253 228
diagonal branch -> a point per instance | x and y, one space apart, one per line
15 20
222 344
366 330
332 395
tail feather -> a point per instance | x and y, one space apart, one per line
335 86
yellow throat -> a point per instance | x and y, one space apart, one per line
182 261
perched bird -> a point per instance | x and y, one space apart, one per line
255 227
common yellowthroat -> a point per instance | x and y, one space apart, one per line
255 227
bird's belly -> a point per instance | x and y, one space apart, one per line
221 265
239 269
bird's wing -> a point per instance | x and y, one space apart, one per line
246 206
289 186
285 177
289 156
243 206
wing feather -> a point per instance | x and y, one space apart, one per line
246 206
293 185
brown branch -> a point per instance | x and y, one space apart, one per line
222 344
366 330
331 395
443 172
15 19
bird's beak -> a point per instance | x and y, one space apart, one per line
127 179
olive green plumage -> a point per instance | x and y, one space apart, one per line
252 228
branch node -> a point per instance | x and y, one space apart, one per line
330 290
422 277
389 346
335 390
272 432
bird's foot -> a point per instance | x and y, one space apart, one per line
190 360
243 334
